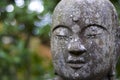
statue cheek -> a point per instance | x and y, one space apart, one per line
100 43
96 46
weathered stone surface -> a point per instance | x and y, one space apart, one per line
84 44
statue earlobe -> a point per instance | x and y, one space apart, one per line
112 73
116 55
118 42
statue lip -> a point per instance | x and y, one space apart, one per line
76 64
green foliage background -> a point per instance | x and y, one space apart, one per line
17 62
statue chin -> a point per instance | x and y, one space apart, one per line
82 73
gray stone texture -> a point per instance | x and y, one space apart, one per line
85 40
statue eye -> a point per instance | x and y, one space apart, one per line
92 36
61 32
93 32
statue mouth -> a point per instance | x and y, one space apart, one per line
76 64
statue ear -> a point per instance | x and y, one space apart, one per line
112 73
117 42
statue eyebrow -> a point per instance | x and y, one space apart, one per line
97 26
63 26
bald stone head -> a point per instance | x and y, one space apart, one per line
83 40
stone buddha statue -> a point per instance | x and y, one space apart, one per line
85 40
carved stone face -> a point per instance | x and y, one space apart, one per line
83 39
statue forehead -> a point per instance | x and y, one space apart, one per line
86 11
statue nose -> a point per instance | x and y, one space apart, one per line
76 48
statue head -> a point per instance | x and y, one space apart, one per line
83 39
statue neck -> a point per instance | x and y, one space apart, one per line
106 78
